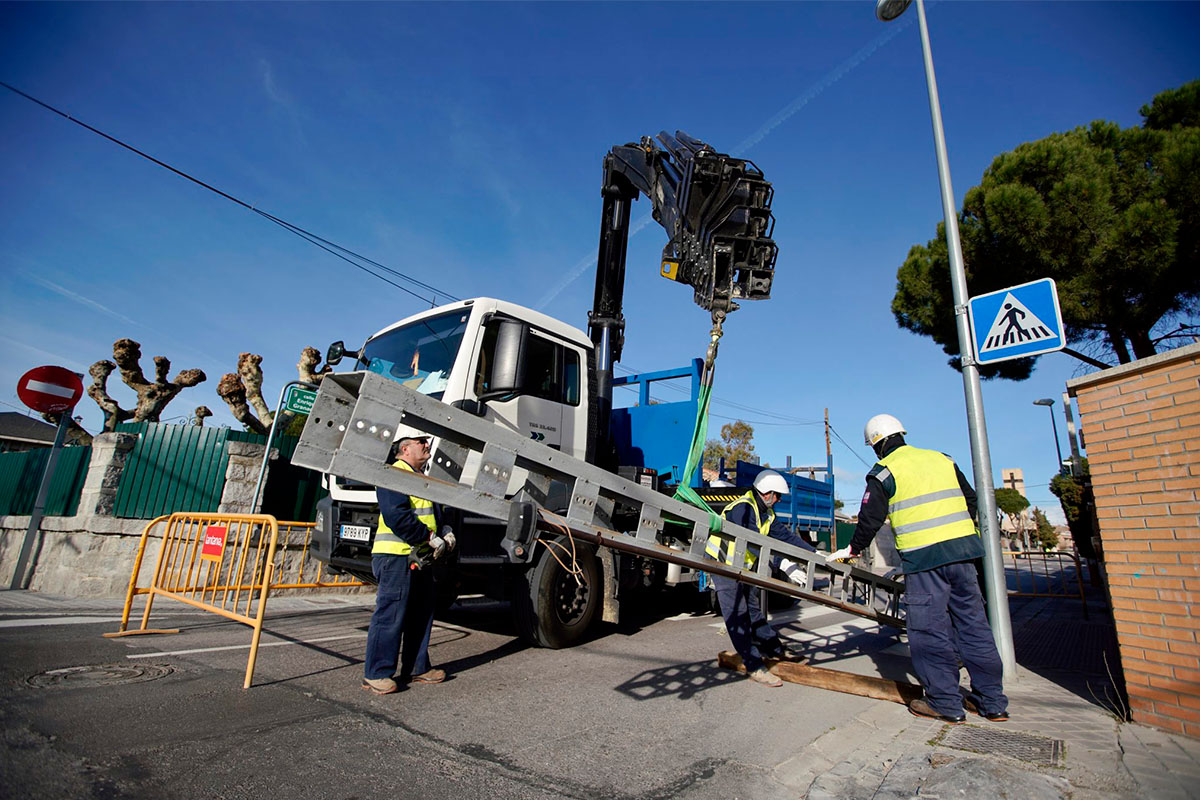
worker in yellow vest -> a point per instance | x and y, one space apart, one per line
749 631
408 538
932 507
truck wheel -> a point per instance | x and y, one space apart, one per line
552 609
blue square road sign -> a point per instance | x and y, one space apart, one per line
1016 322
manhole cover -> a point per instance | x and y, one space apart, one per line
1021 746
97 675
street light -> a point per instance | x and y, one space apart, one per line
1048 402
981 458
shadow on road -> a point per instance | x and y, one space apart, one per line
683 681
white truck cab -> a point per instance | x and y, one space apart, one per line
449 352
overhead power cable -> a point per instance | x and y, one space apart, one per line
853 452
332 248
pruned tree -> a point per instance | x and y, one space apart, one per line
242 390
152 397
310 357
1111 214
232 389
202 413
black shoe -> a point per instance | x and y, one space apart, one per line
973 707
921 708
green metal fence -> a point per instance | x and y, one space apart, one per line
21 473
172 468
182 468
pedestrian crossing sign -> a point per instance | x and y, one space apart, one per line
1016 322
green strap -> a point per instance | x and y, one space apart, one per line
685 492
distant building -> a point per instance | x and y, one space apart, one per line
19 432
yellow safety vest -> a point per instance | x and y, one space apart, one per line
722 549
928 506
387 542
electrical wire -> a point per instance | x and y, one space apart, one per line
328 246
838 436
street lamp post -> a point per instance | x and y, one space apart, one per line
996 587
1048 402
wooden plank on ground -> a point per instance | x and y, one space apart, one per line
831 679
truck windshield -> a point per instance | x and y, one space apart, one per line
419 355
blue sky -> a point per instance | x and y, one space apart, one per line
461 143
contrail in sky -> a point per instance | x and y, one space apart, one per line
832 77
78 298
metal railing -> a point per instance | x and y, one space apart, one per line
1034 568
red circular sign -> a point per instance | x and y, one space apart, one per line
50 389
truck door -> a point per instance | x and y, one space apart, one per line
545 411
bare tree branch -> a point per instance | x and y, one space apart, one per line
233 393
98 391
309 358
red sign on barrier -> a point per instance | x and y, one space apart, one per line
214 543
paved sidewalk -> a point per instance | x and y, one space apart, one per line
1062 695
1063 741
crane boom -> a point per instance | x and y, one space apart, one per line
716 210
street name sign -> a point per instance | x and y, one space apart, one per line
50 389
300 401
1016 322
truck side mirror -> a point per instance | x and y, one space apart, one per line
337 351
508 361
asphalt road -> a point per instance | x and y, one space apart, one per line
639 711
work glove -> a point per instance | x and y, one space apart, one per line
839 555
893 573
793 571
439 546
449 538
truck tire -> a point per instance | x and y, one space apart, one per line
551 609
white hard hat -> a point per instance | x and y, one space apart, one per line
771 481
880 427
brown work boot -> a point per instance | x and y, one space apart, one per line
921 708
761 675
434 675
380 685
973 707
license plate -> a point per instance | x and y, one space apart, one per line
356 533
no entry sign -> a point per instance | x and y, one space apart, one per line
50 389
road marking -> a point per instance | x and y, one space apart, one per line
245 646
359 635
39 621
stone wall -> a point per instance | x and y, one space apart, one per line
92 553
1141 422
82 556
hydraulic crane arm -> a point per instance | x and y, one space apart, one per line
716 210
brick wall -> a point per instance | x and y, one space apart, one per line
1141 423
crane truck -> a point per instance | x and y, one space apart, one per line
514 374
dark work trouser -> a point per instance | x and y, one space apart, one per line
403 611
745 622
946 620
